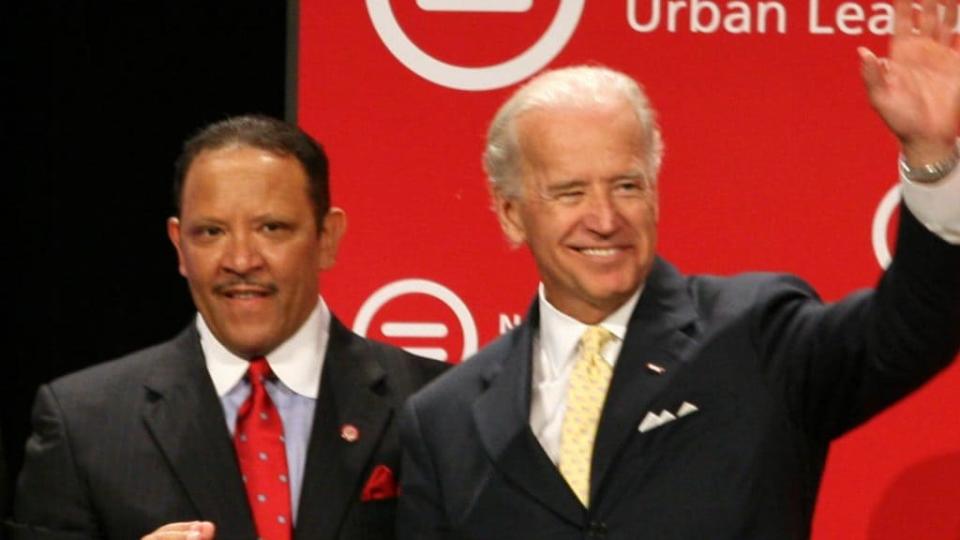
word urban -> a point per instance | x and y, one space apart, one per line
758 17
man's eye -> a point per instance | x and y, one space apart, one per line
209 232
569 196
628 187
272 227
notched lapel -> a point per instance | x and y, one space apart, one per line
186 421
662 330
354 390
501 414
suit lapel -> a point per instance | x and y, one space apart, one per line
501 414
659 333
353 390
187 423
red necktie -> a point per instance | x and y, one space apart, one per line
263 458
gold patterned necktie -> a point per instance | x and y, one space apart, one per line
585 396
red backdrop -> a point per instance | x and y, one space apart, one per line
774 161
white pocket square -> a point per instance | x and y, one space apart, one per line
653 420
686 408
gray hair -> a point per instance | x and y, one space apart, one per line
571 86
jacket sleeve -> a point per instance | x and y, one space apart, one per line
51 501
420 515
839 364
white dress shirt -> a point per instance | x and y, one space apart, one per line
297 364
555 352
936 205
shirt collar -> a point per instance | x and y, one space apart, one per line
560 333
297 362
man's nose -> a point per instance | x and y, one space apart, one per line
242 255
602 215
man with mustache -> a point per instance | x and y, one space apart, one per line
266 417
636 402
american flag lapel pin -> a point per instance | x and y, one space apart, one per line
656 368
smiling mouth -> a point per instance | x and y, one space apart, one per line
245 291
243 295
600 252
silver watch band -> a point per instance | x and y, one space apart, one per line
931 172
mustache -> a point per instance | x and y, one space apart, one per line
222 288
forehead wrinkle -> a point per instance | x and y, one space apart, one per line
543 143
242 181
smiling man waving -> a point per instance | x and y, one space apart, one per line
636 402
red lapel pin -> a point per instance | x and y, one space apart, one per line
349 433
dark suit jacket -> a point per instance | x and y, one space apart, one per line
124 447
775 374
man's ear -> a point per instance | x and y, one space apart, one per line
334 225
655 201
508 213
174 232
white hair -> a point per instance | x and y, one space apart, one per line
579 86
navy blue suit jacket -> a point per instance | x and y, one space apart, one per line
775 375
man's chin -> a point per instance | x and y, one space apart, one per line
248 344
613 290
609 300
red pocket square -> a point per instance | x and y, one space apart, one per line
381 485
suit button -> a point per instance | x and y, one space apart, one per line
597 530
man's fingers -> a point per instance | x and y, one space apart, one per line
182 526
929 19
207 530
186 530
871 67
903 18
948 33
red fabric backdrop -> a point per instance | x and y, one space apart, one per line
774 161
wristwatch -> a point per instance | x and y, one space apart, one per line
931 172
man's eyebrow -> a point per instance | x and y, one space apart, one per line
630 175
564 185
270 216
203 221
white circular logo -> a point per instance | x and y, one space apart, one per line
476 78
881 222
419 329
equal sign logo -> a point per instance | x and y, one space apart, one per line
476 6
418 330
503 71
421 316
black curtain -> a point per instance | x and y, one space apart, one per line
99 96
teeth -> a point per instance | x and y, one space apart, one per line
247 294
596 252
